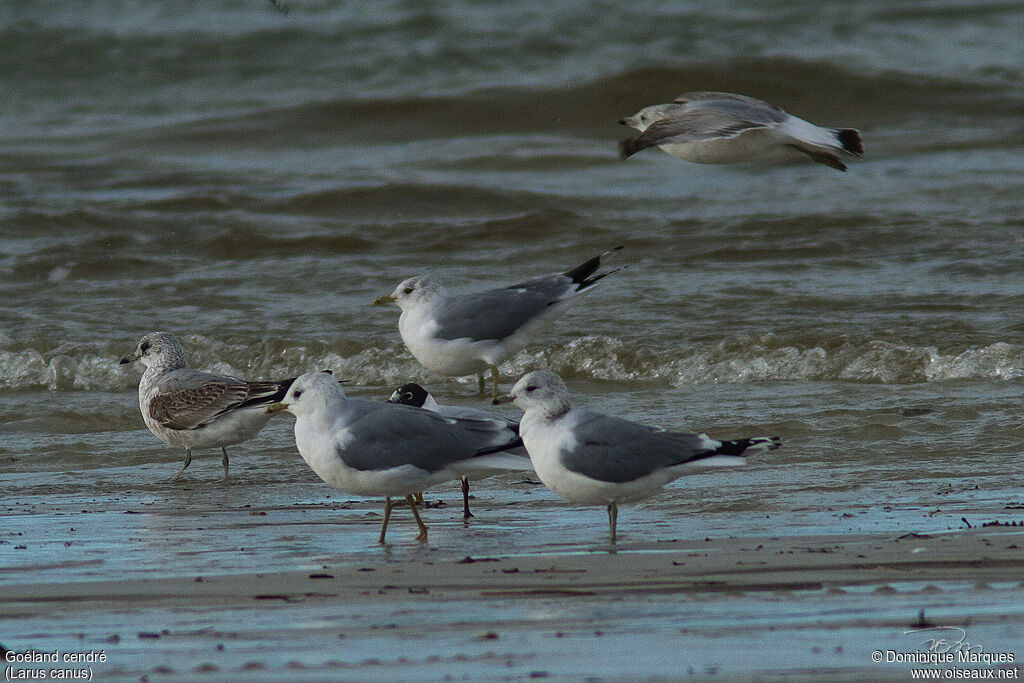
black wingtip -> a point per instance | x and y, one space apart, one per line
851 141
739 447
581 274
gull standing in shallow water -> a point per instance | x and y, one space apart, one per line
723 128
414 395
469 333
591 458
193 409
374 448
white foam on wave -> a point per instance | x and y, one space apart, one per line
71 367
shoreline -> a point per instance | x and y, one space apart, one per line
512 617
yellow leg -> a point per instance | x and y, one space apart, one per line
188 461
387 516
494 378
224 461
481 383
613 516
419 497
466 514
416 513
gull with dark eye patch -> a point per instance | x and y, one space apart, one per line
597 459
373 448
724 128
471 333
414 395
192 409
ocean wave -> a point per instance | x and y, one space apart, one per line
71 367
593 106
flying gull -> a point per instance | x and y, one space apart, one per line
723 128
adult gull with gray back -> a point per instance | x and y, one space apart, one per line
596 459
373 448
412 394
463 334
193 409
723 128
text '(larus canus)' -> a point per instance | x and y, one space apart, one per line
374 448
463 334
723 128
596 459
193 409
413 394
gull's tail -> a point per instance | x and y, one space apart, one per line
585 274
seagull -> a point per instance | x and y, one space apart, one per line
591 458
414 395
723 128
469 333
193 409
385 449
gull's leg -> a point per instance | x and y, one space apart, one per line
188 461
481 383
613 516
466 514
416 513
387 516
419 497
224 461
494 378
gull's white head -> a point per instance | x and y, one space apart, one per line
413 292
310 393
648 115
541 390
157 348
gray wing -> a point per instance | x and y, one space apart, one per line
389 435
741 107
496 313
616 450
467 413
694 126
188 399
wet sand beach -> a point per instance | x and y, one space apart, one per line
225 589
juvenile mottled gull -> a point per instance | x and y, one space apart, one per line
469 333
385 449
722 128
596 459
193 409
413 394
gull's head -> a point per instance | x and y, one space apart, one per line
411 394
157 347
541 390
310 393
412 292
648 115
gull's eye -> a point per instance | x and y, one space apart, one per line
530 389
408 395
297 393
407 290
144 347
